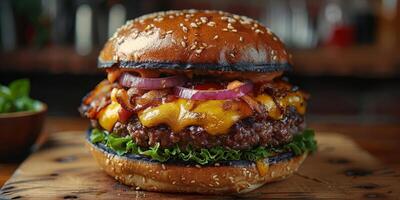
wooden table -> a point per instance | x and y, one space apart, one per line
381 140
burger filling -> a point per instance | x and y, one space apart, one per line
197 118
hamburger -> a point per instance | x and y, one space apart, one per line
195 102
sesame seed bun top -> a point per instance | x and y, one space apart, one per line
195 40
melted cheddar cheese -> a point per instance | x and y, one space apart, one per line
295 99
262 167
215 116
270 106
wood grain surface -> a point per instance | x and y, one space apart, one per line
63 169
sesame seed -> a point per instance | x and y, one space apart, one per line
236 17
215 176
171 17
173 182
211 185
198 166
230 26
184 29
183 178
211 23
259 31
198 51
204 19
148 27
163 166
186 19
137 188
244 22
192 47
232 55
173 41
217 164
192 181
224 18
275 38
194 25
169 32
119 164
216 182
159 19
215 37
241 39
224 29
234 30
231 20
184 37
183 43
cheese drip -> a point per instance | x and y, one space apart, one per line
215 116
294 99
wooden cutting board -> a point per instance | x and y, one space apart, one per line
63 169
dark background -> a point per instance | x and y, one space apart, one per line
346 53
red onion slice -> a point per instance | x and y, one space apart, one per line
193 94
129 80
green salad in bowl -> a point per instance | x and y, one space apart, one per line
15 97
21 119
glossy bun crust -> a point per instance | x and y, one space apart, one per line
195 40
224 179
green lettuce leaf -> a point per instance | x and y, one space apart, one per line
301 143
19 88
97 136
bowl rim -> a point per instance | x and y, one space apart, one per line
24 113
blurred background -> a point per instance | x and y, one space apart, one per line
346 52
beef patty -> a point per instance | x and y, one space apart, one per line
245 134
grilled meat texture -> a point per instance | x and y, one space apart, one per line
245 134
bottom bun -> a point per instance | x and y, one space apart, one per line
225 177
